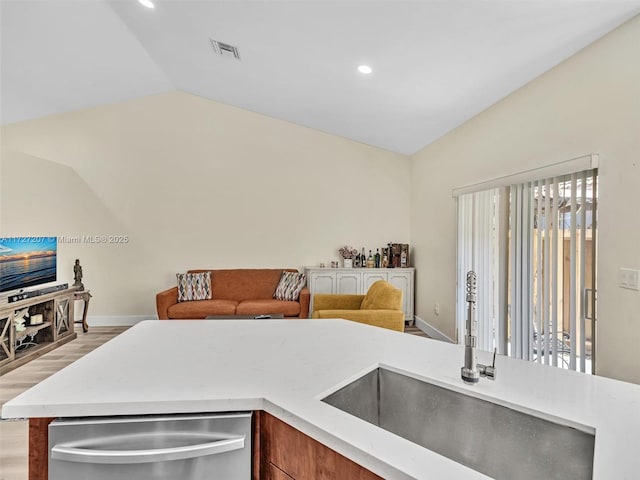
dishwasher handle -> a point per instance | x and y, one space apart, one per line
77 454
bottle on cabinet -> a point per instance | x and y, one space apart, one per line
376 259
370 261
363 259
390 255
385 258
403 259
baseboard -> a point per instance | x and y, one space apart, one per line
117 320
432 331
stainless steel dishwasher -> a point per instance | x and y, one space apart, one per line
185 447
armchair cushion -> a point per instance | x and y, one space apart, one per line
391 319
329 301
382 296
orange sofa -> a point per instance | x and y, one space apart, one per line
235 292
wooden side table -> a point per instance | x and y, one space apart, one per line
85 296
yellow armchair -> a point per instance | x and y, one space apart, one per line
381 306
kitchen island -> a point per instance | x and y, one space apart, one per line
285 368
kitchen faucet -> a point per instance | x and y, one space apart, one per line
472 371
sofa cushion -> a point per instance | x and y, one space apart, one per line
263 307
243 284
382 296
289 286
194 286
202 309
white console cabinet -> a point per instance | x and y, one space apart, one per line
358 281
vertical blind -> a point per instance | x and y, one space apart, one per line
520 255
552 270
478 251
544 310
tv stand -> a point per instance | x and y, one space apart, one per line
55 329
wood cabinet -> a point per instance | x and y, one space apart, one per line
274 473
358 281
39 448
56 327
287 453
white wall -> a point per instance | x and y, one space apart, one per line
194 183
41 197
588 104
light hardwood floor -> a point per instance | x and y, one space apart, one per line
413 330
14 434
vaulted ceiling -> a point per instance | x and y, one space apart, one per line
435 63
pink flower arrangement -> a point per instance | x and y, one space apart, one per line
348 252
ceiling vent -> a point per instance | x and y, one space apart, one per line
224 49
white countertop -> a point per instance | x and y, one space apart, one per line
286 366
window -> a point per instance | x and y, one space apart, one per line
532 246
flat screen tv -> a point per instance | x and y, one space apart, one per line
27 262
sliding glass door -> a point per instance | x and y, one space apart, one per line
533 245
563 256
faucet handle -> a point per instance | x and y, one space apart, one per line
489 371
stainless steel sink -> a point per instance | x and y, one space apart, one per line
492 439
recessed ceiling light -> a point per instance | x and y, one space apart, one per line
366 69
147 3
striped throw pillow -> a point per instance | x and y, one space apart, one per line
194 286
290 285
